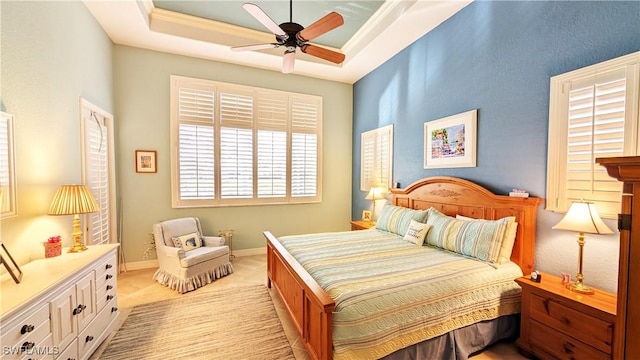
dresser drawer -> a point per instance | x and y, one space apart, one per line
106 271
70 353
106 292
590 330
558 345
32 330
91 337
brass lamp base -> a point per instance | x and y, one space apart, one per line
581 288
78 246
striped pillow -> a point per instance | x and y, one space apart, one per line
477 239
396 219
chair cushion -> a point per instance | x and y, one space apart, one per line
203 254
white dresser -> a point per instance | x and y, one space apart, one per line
63 308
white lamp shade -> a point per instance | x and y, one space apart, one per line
583 217
376 193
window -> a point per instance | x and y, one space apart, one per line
593 113
7 167
98 172
376 156
240 145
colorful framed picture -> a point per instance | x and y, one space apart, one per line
146 161
366 215
12 267
451 142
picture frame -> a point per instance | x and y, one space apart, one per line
366 215
146 161
12 267
442 150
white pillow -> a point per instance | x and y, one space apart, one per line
416 232
508 241
187 242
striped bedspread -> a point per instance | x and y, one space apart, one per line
391 293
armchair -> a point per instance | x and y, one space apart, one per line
189 268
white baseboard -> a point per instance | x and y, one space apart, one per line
148 264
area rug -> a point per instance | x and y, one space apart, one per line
233 323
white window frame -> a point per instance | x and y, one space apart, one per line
376 158
605 191
98 172
301 120
8 206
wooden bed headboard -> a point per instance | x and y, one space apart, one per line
453 196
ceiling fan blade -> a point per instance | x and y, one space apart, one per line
263 18
329 55
287 61
255 47
323 25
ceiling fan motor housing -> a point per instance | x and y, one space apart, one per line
292 39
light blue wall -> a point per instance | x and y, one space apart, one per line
498 57
53 53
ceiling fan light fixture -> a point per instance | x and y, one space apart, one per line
288 61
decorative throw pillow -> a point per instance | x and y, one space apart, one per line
416 232
509 237
478 239
396 219
187 242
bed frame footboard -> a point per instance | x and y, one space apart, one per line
309 307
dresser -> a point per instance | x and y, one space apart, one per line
627 334
557 323
63 308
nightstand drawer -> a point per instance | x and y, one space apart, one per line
556 344
590 330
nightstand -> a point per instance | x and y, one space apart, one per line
361 225
562 324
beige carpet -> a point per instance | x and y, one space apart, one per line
233 323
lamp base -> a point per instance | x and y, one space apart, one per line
581 288
77 247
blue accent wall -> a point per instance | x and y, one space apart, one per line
497 57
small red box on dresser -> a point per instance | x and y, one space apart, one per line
52 247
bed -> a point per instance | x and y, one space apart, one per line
320 315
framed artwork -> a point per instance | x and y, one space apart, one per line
146 161
12 267
366 215
451 141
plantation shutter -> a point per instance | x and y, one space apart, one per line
7 168
305 122
196 161
236 144
593 113
272 118
98 178
98 172
376 152
596 120
239 145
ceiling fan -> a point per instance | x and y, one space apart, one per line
292 35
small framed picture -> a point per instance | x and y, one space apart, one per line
12 267
146 161
366 215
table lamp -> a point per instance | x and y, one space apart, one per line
74 200
375 193
583 218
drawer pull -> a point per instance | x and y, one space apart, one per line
109 297
27 346
114 309
566 321
71 358
109 276
108 266
89 338
26 328
568 347
546 305
109 287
